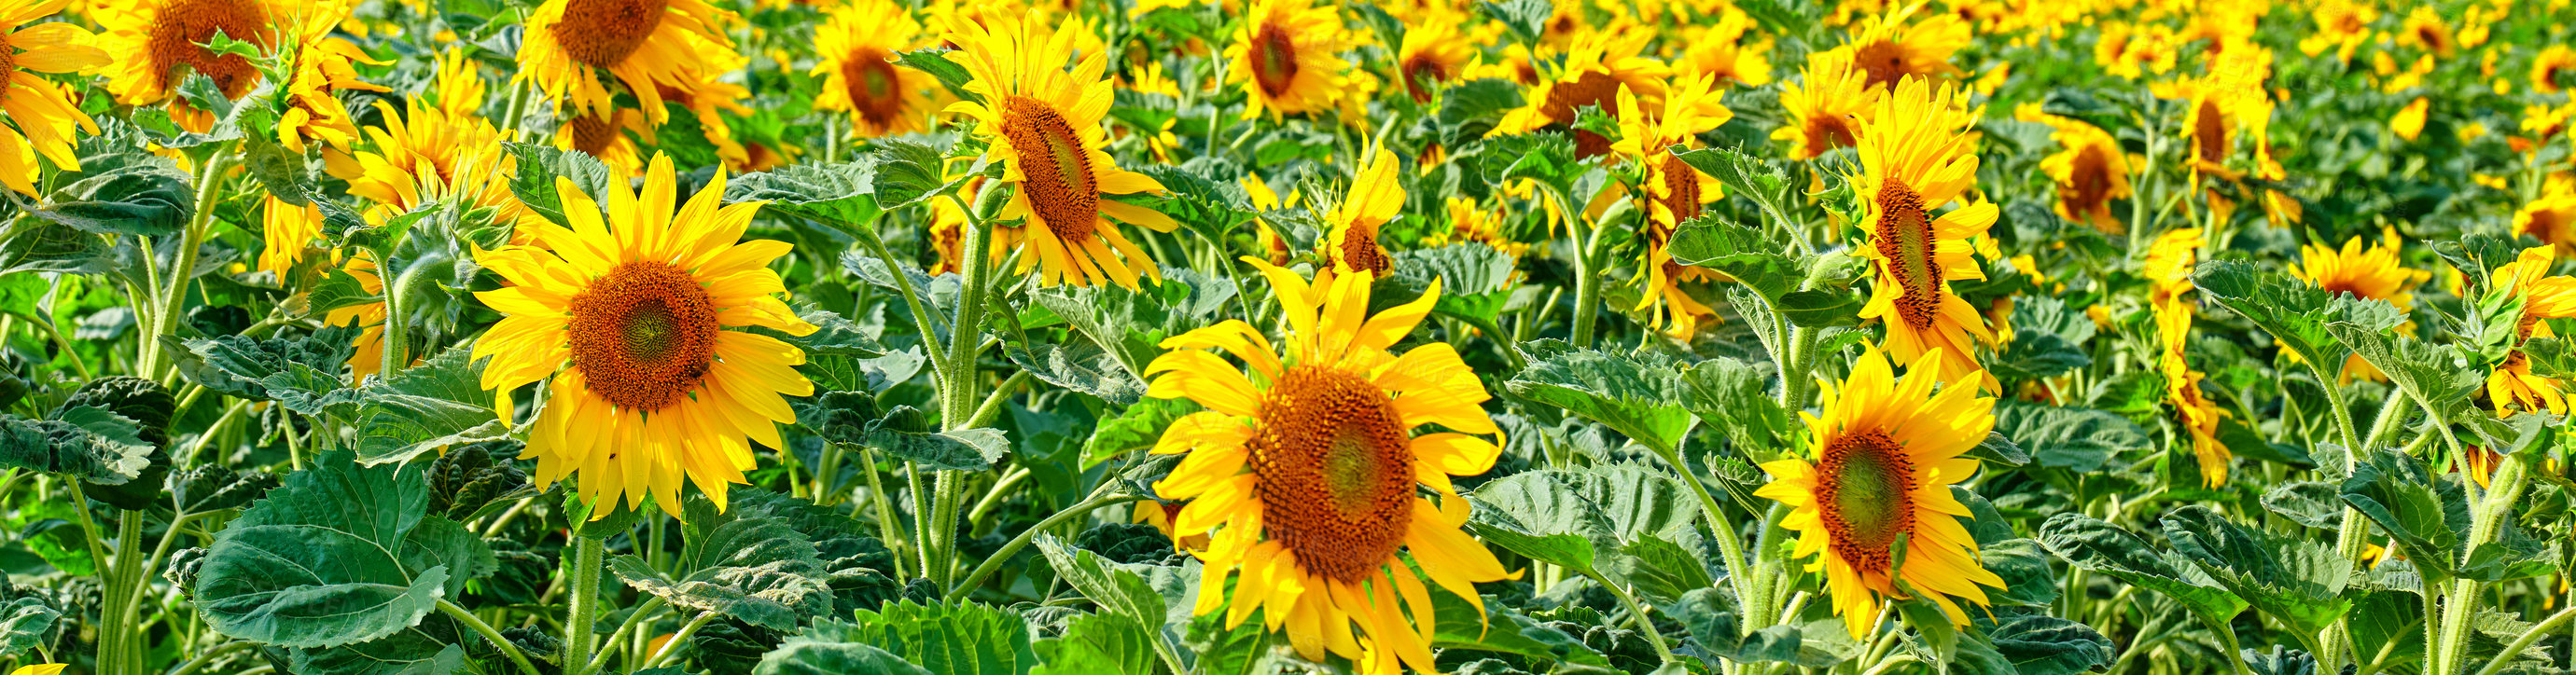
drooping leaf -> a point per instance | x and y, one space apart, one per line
758 569
961 639
850 194
1735 397
2102 547
1640 395
2294 313
305 374
1590 519
2038 644
436 404
1746 175
2426 517
2298 581
132 193
2078 439
340 554
806 654
539 165
1714 627
83 442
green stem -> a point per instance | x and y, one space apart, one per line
1587 282
1729 543
672 646
62 345
1645 624
2524 641
493 636
130 587
580 638
887 529
517 112
209 656
911 299
976 578
397 337
992 407
185 264
626 627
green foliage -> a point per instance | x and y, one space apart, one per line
339 555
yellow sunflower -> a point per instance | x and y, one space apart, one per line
1825 108
369 358
643 43
2228 100
1727 51
858 47
1376 196
2425 30
1309 479
1433 55
324 66
2342 25
2409 121
624 314
1287 56
2512 387
1887 452
2551 219
1674 194
460 89
288 229
1918 157
430 155
1596 68
1044 124
604 136
2090 169
2375 273
1889 49
153 39
2167 269
43 120
2550 70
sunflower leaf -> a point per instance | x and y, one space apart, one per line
2477 254
948 71
1588 520
962 639
1715 629
1503 630
2425 515
2038 644
2077 439
1735 397
303 374
2314 503
1095 643
815 654
2295 580
846 195
540 165
84 442
2102 547
2294 313
1525 19
1117 591
339 555
1739 252
132 192
436 404
1744 174
1475 279
1637 394
2434 374
758 569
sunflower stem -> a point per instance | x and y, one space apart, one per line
489 635
1587 284
582 610
976 578
1636 613
1730 544
517 112
911 299
199 221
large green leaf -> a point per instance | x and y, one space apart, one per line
743 564
1735 397
1475 278
436 404
2295 580
847 194
2038 644
1741 253
2294 312
1503 630
1746 176
1632 525
1638 394
2102 547
340 554
816 653
25 622
2077 439
1096 643
305 374
539 165
2434 374
132 193
1714 628
962 639
83 442
2426 516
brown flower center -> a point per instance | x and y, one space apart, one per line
1906 239
1060 187
1681 188
875 89
1863 483
1274 58
1828 131
602 33
1335 467
1421 73
2088 185
643 335
184 24
2209 133
1360 250
1566 100
592 134
1884 61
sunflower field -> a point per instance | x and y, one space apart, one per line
1361 337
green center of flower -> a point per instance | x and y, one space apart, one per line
1863 489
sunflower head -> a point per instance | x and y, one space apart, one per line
2374 273
2090 169
1888 48
1917 158
1434 54
1376 196
1729 52
1595 70
165 40
645 45
1287 57
1307 473
1044 125
1826 105
43 120
1887 451
2553 69
626 314
2551 219
858 46
428 156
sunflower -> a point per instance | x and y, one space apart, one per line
1595 70
2375 273
44 119
1376 196
324 66
1044 124
2167 269
1918 157
626 321
2550 70
644 43
1433 55
430 155
369 358
1887 452
2342 25
287 229
1288 57
1825 107
2551 219
2228 100
2424 30
153 39
1309 478
2090 169
858 45
1674 194
604 136
460 88
1725 51
2512 387
2409 122
1889 49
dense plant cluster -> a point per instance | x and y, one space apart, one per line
1506 337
